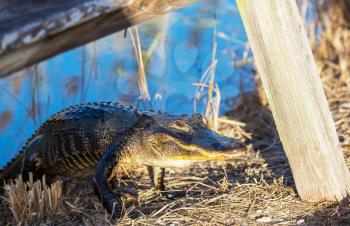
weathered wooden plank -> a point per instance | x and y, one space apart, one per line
31 31
294 90
23 22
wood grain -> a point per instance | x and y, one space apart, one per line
294 90
31 31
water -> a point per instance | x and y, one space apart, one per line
106 70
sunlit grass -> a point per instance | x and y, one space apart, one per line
213 92
142 79
32 202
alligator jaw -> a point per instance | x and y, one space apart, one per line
170 151
193 152
189 157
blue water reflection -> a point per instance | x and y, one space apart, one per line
105 70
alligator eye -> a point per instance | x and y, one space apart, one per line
180 123
180 126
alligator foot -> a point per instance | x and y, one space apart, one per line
157 177
123 191
111 201
129 192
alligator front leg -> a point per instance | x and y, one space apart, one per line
105 168
157 177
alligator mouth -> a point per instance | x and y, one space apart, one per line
211 156
227 149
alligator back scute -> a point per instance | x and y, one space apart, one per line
95 110
14 166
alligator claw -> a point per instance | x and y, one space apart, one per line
130 192
174 194
116 211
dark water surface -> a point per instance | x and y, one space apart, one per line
106 70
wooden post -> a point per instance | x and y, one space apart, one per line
32 31
289 75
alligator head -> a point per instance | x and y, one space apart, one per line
176 141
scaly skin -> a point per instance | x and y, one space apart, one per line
92 139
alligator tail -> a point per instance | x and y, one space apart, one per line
12 169
19 163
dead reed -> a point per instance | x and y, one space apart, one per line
207 81
142 80
33 202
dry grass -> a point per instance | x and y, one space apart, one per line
142 80
33 202
255 190
207 81
213 104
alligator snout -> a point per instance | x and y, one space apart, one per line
215 141
217 147
228 145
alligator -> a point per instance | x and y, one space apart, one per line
92 139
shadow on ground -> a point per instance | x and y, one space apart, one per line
252 110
